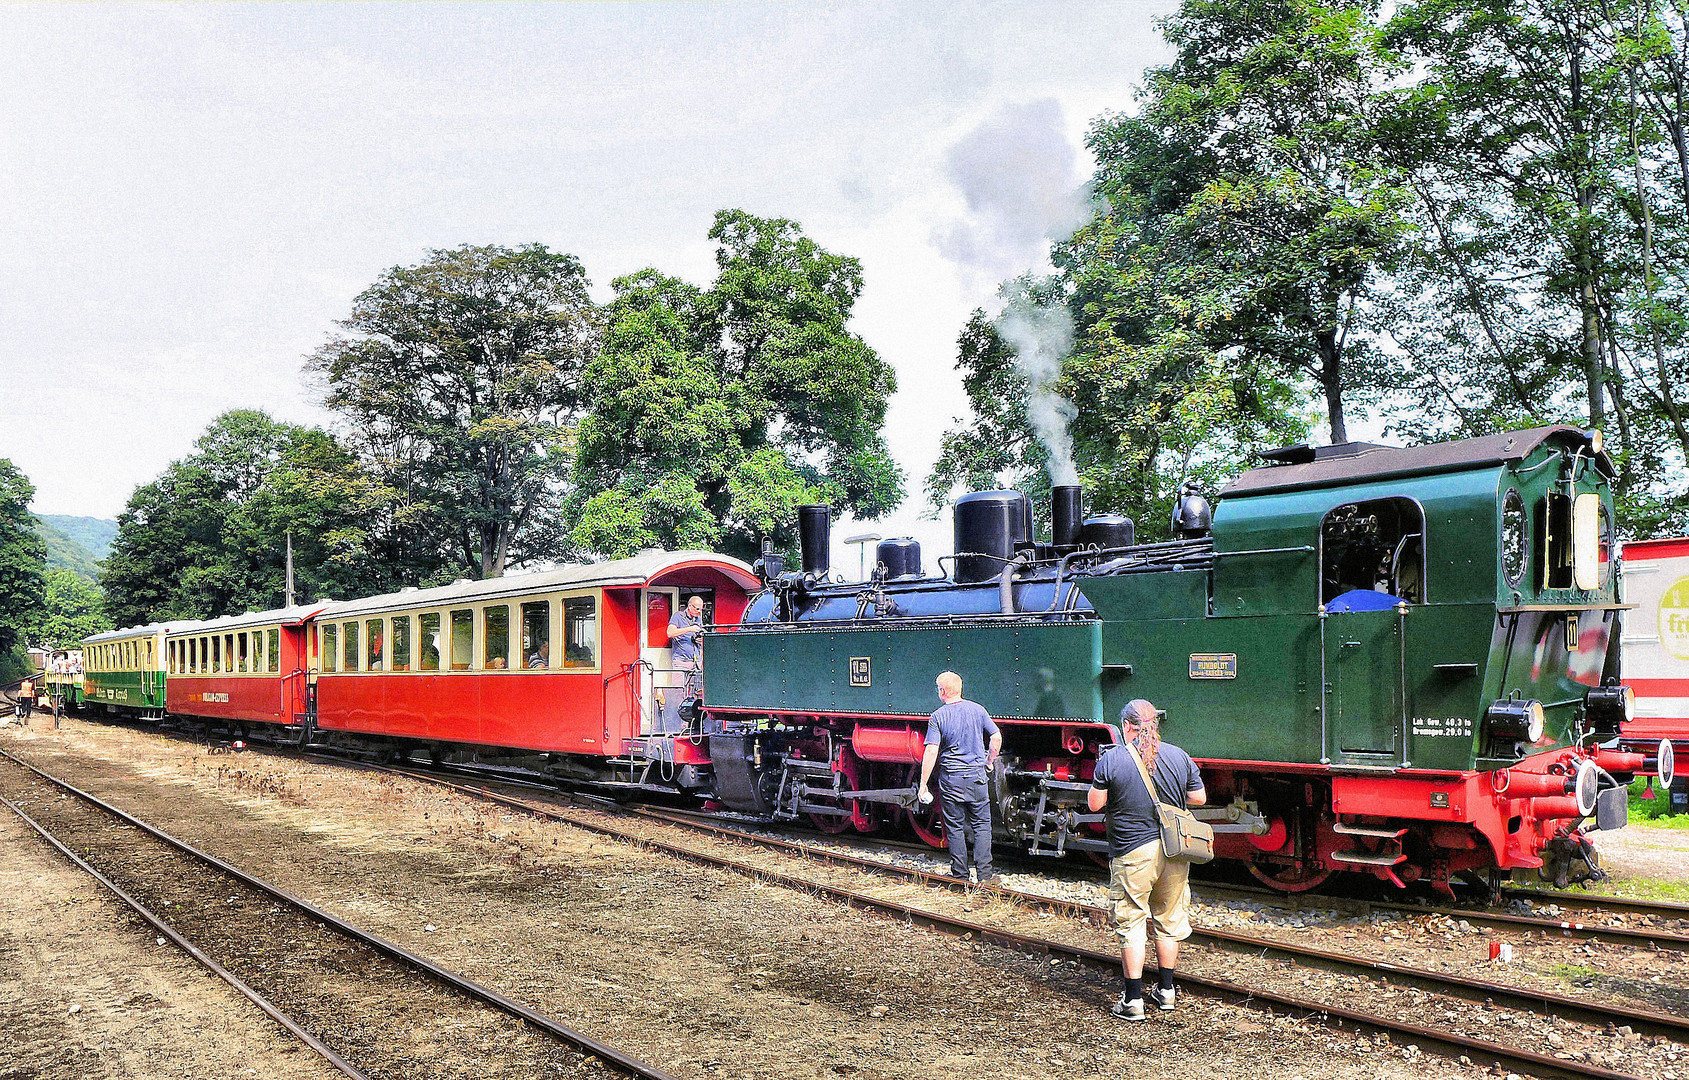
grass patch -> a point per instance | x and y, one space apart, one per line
1655 812
1576 973
1638 888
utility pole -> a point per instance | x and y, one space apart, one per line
289 596
862 541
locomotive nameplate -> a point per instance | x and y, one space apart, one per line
1213 665
861 674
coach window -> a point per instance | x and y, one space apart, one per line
241 652
228 653
152 653
536 634
349 646
217 655
495 637
273 650
328 647
580 632
1374 550
377 642
257 651
205 656
463 638
401 643
428 650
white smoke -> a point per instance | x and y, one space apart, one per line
1020 176
1042 336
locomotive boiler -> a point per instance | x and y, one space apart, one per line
1401 662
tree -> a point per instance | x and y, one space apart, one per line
209 536
1251 181
713 413
459 382
23 561
73 610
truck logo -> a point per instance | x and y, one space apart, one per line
860 672
1213 665
1674 619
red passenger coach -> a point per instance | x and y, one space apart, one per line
243 668
564 661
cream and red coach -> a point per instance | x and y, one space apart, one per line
566 662
244 669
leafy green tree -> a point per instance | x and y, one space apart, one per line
459 381
714 412
1249 180
209 536
23 561
73 610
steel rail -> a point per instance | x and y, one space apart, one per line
191 949
1659 1023
1107 961
577 1039
1565 927
1661 909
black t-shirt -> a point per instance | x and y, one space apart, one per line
1130 812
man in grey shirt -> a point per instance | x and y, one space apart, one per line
686 653
962 744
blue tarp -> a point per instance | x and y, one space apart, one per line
1363 600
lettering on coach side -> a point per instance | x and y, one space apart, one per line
1213 665
218 699
861 674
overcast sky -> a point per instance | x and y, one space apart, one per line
193 193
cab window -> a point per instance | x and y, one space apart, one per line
1373 553
1554 543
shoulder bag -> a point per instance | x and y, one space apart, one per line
1183 837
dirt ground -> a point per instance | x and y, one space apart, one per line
699 971
1644 851
86 991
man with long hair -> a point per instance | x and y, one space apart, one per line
1145 887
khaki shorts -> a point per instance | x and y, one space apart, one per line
1144 887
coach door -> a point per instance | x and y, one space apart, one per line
660 606
1364 686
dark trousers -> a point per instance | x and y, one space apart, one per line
967 816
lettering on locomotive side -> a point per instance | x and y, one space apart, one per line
861 674
1213 665
215 698
1674 619
1456 726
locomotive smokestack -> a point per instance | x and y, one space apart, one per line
1064 516
815 538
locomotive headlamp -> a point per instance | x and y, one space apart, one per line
1606 707
1511 718
1597 441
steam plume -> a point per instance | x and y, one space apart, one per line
1042 336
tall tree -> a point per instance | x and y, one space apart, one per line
208 537
73 610
1251 180
714 412
23 561
459 381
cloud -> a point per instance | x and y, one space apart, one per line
1019 175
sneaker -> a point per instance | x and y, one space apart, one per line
1164 998
1128 1010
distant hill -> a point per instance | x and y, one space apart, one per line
94 534
76 544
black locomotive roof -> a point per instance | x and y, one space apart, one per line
1351 462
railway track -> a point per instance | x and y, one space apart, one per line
593 819
326 981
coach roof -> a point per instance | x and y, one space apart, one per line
634 571
1348 463
291 616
